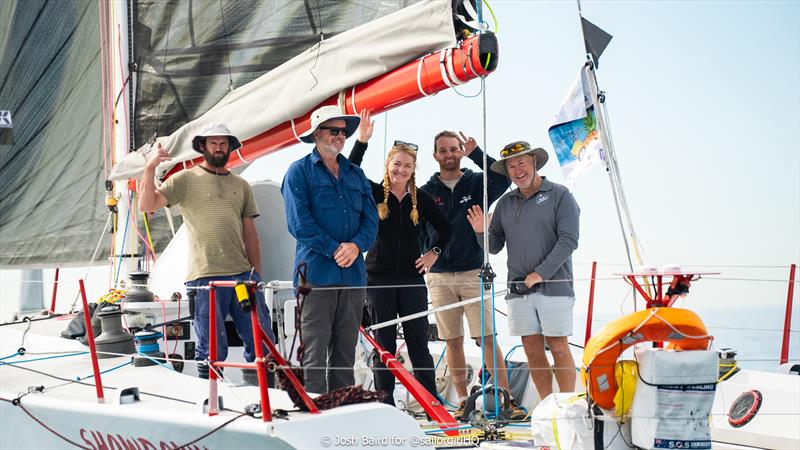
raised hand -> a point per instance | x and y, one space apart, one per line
475 218
157 157
467 142
366 126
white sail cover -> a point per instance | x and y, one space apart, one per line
306 80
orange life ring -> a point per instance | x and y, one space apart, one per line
681 327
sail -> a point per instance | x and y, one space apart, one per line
51 193
324 69
186 56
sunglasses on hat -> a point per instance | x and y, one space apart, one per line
512 149
414 147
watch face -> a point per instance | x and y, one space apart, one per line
437 250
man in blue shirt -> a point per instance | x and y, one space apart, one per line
331 214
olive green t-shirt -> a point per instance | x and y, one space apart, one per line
213 207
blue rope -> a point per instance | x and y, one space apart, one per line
445 402
41 359
478 10
147 348
10 356
164 365
104 371
122 249
494 355
440 358
505 360
483 346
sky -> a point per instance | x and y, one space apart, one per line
703 99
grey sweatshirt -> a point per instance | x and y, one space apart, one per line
542 233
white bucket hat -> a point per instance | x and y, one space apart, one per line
515 149
215 129
326 113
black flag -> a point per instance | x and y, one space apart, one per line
595 40
6 128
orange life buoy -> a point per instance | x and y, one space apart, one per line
681 327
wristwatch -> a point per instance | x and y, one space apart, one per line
436 250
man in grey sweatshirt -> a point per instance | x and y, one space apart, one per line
539 221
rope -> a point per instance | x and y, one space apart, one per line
17 402
223 425
41 359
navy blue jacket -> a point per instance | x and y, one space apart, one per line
463 252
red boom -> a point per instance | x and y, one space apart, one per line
475 57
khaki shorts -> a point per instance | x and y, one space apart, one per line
454 287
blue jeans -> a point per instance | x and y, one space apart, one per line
227 304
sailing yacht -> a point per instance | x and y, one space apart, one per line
165 69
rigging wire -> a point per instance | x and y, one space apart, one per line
164 71
227 51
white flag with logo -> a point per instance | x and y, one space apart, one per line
574 132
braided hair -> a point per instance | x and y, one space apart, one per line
383 207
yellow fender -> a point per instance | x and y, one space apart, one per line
681 327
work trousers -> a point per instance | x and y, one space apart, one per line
329 323
227 305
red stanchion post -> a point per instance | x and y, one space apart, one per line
55 290
261 370
591 305
213 400
98 383
787 321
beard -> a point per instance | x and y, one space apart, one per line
216 160
332 149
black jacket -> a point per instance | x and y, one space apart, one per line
463 252
398 244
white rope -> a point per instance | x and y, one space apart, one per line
294 131
419 77
239 152
443 68
428 312
353 99
450 69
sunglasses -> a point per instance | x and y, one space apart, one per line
516 148
334 131
414 147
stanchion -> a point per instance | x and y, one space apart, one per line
787 321
591 305
213 399
55 290
98 383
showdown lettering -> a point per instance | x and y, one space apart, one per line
97 440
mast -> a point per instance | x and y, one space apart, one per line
126 247
596 40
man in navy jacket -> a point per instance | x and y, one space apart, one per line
456 275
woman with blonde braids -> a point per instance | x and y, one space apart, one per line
394 259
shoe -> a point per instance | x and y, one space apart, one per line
516 412
458 414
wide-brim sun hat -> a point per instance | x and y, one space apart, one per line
519 148
216 129
326 113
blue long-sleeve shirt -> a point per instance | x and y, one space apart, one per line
323 211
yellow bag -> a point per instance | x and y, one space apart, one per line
626 373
